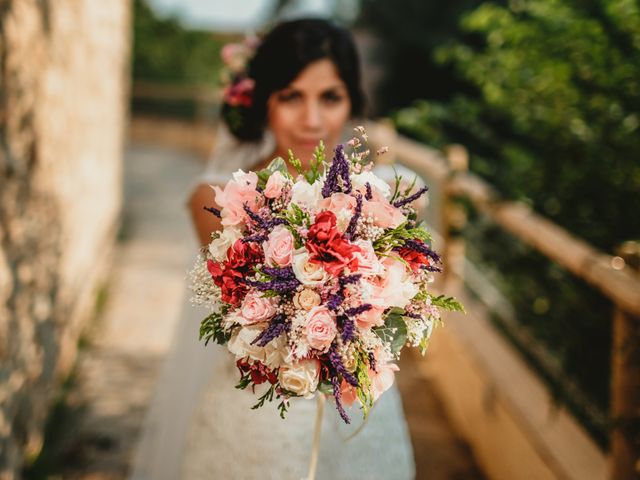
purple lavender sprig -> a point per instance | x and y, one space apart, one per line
253 215
431 268
349 279
213 210
276 327
369 194
337 298
348 328
285 273
280 285
258 238
339 168
269 224
335 383
344 168
352 312
411 198
423 248
372 362
262 222
351 229
336 362
335 301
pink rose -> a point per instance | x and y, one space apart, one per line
385 214
256 309
321 328
370 318
238 191
382 379
348 393
338 202
368 263
278 249
273 189
229 52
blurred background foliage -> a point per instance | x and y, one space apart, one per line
545 94
164 51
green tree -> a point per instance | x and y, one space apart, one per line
552 118
411 31
165 51
556 122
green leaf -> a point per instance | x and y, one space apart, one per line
276 165
447 303
394 330
424 344
316 162
211 329
268 395
325 387
294 162
295 216
396 237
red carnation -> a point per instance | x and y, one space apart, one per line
413 258
259 372
241 257
328 246
229 281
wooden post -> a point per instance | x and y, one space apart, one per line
625 384
454 219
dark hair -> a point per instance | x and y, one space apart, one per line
283 53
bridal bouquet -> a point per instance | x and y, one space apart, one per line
317 281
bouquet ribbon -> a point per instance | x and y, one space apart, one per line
315 448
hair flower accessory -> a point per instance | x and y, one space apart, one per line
237 87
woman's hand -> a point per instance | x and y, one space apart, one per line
204 222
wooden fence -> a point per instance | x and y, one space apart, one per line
610 274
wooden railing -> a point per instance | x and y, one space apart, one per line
610 274
206 99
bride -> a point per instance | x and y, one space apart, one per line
301 85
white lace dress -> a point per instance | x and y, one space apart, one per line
201 427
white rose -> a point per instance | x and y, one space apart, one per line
240 175
306 195
306 272
343 218
398 289
272 354
360 181
218 247
300 378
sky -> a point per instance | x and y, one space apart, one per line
232 15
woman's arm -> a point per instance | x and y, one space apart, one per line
204 222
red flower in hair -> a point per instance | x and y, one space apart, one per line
239 93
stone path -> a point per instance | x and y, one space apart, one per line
116 372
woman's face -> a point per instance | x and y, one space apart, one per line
314 107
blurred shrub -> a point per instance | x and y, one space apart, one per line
550 110
411 30
165 51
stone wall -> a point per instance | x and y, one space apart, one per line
64 69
